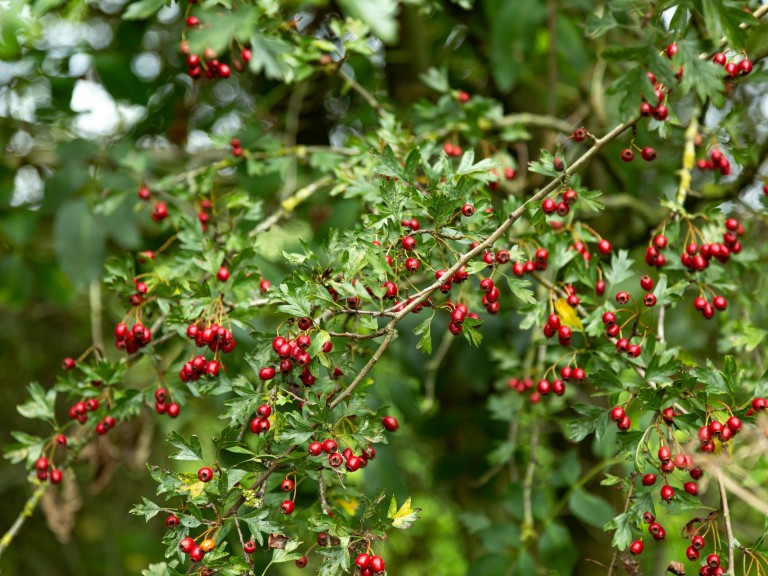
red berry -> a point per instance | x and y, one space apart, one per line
548 206
636 547
617 414
692 553
315 449
173 410
745 67
649 479
468 210
390 423
286 485
660 113
733 424
664 453
649 300
192 21
408 242
172 521
377 564
301 562
205 474
627 155
713 560
223 274
604 246
267 373
648 154
646 283
719 58
68 363
691 487
197 554
362 560
249 547
667 492
697 542
354 463
672 50
186 545
287 506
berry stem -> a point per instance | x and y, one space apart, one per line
727 519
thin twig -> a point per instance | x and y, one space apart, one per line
289 205
242 543
360 89
321 493
727 519
528 484
25 513
626 507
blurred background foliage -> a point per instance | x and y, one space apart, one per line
87 97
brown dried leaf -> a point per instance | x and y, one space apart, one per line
277 541
676 568
60 505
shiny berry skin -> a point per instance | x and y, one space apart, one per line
468 210
622 297
648 154
715 428
696 473
636 547
205 474
548 206
196 554
335 460
377 564
646 283
315 449
412 265
649 300
408 242
713 560
759 404
558 387
745 67
664 453
697 542
301 562
330 446
604 247
609 318
186 545
249 547
390 423
691 487
363 560
672 50
570 196
733 424
173 410
267 373
627 155
68 363
264 411
172 521
719 303
354 463
719 59
287 506
649 479
667 492
61 440
617 414
624 425
286 485
691 553
660 113
56 476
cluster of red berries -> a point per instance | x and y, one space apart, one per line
261 422
294 350
660 111
196 551
453 150
216 337
458 277
163 407
208 64
697 258
459 312
336 459
733 69
603 246
369 565
554 326
159 211
619 415
561 205
204 215
647 152
653 255
44 471
192 370
79 411
137 297
716 429
131 339
539 262
717 161
237 150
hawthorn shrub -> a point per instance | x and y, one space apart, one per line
492 272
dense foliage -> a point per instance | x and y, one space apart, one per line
445 287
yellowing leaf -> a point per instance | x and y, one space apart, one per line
405 516
195 488
349 506
567 314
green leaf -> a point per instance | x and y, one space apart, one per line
142 9
268 55
589 508
380 15
79 242
659 373
148 509
621 268
594 421
622 538
425 329
437 79
520 290
186 450
40 405
258 525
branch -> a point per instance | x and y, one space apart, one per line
242 543
626 507
321 492
357 87
727 518
289 205
25 513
